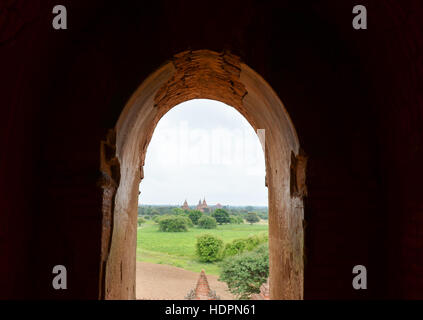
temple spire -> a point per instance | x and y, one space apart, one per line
202 289
185 206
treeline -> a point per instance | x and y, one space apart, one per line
181 220
241 211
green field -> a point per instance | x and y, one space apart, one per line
178 248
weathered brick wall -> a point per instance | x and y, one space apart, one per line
354 98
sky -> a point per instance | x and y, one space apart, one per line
204 148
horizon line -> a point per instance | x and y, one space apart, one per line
194 205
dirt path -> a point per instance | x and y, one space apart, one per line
162 282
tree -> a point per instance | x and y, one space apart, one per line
154 212
246 272
206 222
263 215
209 248
221 216
177 211
252 217
195 215
187 219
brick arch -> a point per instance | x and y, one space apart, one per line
208 75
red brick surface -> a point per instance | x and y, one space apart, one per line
354 97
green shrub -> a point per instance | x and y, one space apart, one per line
141 220
209 248
237 246
245 273
252 242
173 224
236 220
206 222
156 218
195 215
187 220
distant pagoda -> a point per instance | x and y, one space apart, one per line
202 205
185 205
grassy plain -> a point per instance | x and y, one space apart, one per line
178 248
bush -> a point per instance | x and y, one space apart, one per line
173 224
245 273
252 242
238 246
187 219
206 222
236 220
141 220
209 248
156 218
195 215
221 216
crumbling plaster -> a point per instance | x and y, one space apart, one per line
207 75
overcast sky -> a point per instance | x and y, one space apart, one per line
204 148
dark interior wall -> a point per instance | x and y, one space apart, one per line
355 98
398 99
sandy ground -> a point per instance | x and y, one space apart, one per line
162 282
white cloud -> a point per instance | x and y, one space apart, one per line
204 148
